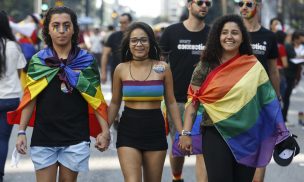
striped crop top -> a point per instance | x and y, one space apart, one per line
151 90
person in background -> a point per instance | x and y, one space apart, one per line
293 71
275 25
282 61
12 62
142 81
96 44
182 44
232 84
63 90
264 47
112 46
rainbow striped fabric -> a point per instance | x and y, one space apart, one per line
241 102
82 74
150 90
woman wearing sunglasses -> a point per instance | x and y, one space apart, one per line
231 84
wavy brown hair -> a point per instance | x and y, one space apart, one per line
59 10
214 51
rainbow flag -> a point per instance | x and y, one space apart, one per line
82 74
244 108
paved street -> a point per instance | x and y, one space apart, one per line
105 166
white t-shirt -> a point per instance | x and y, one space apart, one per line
96 46
300 50
10 86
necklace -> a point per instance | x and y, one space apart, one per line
140 80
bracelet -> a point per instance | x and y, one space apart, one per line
186 133
21 132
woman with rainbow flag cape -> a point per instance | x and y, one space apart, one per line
63 101
242 120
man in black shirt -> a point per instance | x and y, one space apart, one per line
182 45
112 46
264 47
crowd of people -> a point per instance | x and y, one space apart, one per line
231 69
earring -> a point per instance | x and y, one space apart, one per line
156 52
127 53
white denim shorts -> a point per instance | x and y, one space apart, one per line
74 157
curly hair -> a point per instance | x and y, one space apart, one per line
154 52
60 10
214 51
5 33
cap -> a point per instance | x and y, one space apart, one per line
286 150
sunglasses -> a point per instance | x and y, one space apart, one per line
247 4
201 2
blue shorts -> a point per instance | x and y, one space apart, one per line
74 157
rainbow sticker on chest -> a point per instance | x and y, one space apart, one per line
158 68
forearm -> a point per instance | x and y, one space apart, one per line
103 123
26 114
112 112
105 59
104 62
189 116
275 78
176 116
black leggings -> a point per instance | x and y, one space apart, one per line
219 160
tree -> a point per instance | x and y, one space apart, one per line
17 9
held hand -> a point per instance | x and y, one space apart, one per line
21 144
103 141
185 144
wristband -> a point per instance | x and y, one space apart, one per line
21 132
186 133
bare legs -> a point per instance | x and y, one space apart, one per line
49 174
200 169
132 161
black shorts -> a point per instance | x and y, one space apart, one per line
143 129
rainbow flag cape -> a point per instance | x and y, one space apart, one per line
85 79
244 108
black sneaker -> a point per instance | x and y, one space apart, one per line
178 180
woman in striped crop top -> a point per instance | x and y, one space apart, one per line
142 82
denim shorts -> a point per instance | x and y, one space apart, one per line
74 157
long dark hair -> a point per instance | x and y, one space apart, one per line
5 33
154 52
48 16
214 51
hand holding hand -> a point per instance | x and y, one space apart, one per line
185 144
103 141
21 144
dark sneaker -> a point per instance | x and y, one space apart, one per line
178 180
